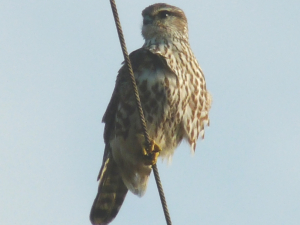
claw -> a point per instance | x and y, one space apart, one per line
151 153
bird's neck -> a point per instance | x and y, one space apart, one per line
175 52
163 45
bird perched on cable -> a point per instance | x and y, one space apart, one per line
175 102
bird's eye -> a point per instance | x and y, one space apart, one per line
164 14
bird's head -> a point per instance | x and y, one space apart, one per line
164 21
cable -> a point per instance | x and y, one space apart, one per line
139 106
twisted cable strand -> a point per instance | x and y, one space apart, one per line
140 109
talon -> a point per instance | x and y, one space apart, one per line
152 153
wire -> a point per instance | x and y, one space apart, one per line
139 106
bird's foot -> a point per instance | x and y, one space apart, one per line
151 153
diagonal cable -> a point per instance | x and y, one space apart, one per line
139 106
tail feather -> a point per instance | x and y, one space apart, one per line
111 194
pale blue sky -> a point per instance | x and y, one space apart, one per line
58 64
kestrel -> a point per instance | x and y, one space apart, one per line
175 102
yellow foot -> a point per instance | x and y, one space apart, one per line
151 153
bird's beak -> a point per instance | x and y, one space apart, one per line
147 20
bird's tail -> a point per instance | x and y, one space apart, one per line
111 194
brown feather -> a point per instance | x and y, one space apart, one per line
111 194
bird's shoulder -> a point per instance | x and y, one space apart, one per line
141 60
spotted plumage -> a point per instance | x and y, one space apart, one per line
174 99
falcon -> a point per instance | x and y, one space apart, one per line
175 102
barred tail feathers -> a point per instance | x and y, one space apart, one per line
111 194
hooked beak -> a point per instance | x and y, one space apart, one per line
147 20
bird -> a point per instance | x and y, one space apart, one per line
174 100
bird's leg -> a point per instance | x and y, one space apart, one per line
151 152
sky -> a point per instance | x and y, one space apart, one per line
58 65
